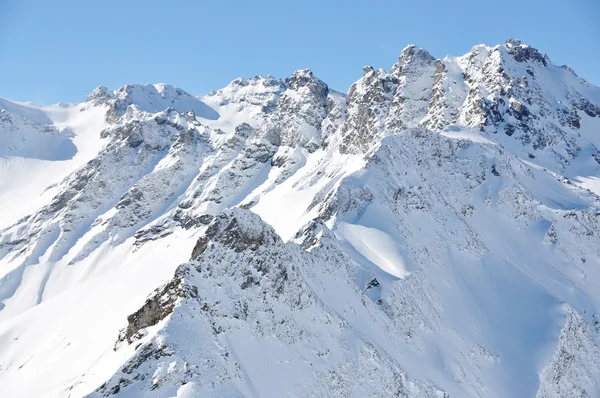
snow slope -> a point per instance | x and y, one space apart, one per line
39 146
432 233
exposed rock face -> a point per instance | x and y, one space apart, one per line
368 104
524 53
257 92
157 307
491 89
229 232
101 95
336 114
299 113
415 72
441 108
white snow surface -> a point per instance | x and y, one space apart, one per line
434 233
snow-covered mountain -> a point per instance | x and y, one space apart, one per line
434 232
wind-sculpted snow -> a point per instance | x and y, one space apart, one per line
435 232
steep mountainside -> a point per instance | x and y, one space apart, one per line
435 232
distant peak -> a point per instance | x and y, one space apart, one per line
158 88
256 79
367 69
99 95
303 73
412 52
510 42
302 78
100 89
163 87
523 52
411 57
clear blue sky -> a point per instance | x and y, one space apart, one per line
53 51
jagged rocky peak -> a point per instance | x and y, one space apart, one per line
382 103
415 71
256 80
522 52
237 229
305 78
508 93
147 90
148 93
157 97
101 95
412 52
150 98
492 89
299 112
412 57
368 103
503 89
257 91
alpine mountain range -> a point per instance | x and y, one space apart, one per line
434 232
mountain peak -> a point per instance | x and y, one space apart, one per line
512 42
236 228
306 73
413 52
523 52
151 98
303 77
412 58
101 94
367 69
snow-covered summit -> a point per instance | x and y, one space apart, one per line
257 90
300 111
524 53
149 98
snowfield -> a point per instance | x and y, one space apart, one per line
434 232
